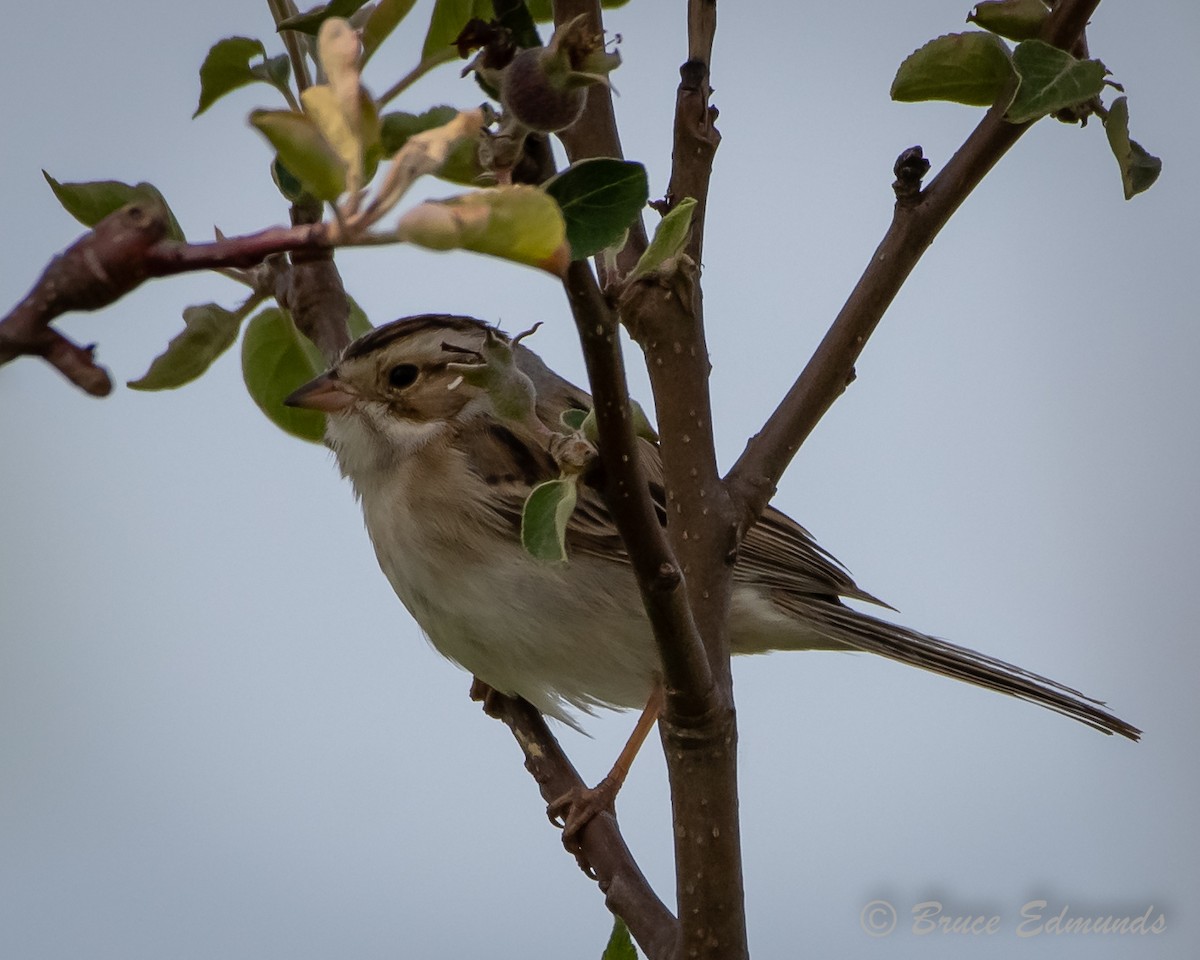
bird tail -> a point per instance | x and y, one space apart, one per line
863 632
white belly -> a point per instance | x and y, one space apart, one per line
556 634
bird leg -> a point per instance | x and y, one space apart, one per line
577 806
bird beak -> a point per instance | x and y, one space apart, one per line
326 393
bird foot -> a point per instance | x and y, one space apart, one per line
576 808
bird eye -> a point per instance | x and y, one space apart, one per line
402 375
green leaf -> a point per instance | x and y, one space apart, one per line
511 391
670 237
519 223
310 21
357 323
274 71
573 418
291 188
209 330
642 427
227 67
1015 19
302 149
447 22
542 11
599 198
971 68
1051 79
380 24
544 520
92 201
275 363
514 16
1139 169
585 424
620 943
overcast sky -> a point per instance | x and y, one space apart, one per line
222 736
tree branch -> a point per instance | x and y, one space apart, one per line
916 221
98 269
664 313
602 850
687 677
280 11
595 133
312 291
125 249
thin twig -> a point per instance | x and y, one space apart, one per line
281 10
415 74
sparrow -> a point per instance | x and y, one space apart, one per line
443 477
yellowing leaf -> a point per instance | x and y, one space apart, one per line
425 153
338 49
461 162
322 107
519 223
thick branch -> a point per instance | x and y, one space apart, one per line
665 314
98 269
915 223
626 891
121 252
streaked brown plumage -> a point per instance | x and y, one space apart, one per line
443 481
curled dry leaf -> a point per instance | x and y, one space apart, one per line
424 153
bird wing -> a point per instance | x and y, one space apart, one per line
777 556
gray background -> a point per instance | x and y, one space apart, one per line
222 736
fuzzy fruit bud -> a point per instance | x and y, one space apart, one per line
545 88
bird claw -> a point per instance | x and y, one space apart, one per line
576 808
